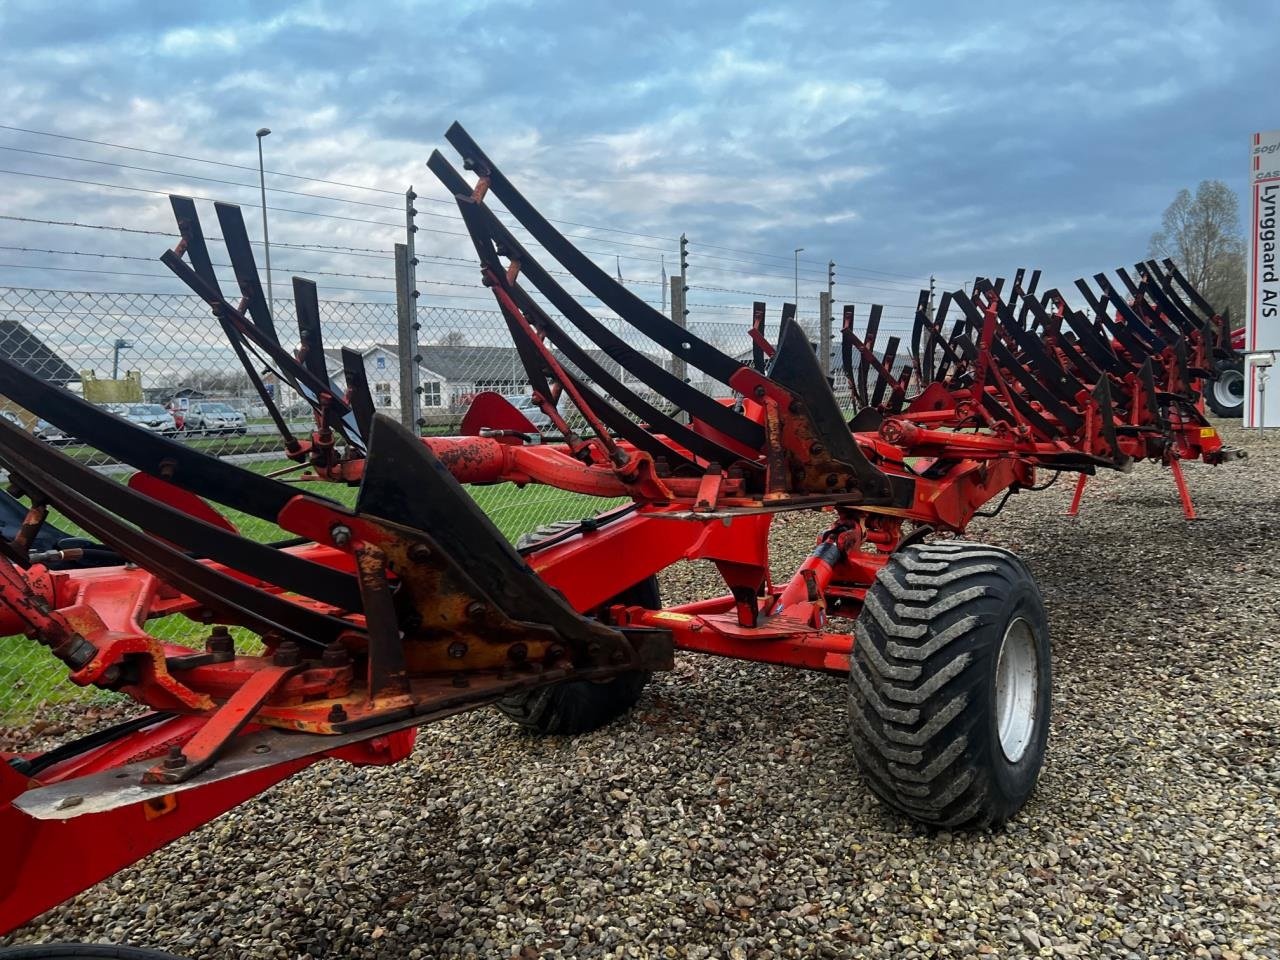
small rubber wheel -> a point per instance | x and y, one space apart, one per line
950 684
1225 395
81 951
580 706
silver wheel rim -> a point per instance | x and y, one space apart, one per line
1228 389
1017 689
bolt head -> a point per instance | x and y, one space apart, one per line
288 654
340 533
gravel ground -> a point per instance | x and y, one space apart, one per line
724 817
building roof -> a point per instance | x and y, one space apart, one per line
28 351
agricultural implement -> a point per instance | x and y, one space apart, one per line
410 606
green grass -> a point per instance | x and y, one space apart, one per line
31 676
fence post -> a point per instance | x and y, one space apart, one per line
680 316
407 325
679 305
824 332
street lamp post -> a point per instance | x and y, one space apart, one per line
266 240
120 344
799 250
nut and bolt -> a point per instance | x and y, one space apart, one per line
518 652
219 645
457 650
335 655
337 714
340 534
288 654
176 759
476 609
419 553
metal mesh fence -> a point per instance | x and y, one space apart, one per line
160 361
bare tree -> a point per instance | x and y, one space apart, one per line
454 338
1202 234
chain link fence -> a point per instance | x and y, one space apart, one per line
160 361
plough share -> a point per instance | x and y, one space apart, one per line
411 606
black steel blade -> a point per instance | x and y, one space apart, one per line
159 456
405 483
236 601
869 344
1097 348
679 341
1132 323
1107 420
757 327
882 382
795 367
1191 292
360 398
310 338
1053 401
236 237
486 228
846 356
1049 431
290 573
918 328
658 421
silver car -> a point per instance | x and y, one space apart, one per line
214 416
149 416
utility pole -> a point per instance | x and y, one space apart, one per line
798 251
931 298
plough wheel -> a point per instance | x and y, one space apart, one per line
580 706
1225 395
950 687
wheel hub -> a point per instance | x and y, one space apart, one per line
1017 689
1228 389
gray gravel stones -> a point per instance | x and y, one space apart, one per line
724 817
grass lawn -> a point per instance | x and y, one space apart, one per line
30 675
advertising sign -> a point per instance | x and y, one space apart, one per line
1262 324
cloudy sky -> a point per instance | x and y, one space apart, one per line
897 139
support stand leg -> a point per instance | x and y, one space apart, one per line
1188 509
1075 498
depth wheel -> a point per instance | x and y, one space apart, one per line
950 684
580 706
1225 395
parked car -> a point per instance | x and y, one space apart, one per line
50 433
12 418
216 417
532 412
149 416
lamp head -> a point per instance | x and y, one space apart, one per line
262 132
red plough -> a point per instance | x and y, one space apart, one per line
411 606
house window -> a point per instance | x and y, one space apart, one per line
382 363
431 393
382 393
